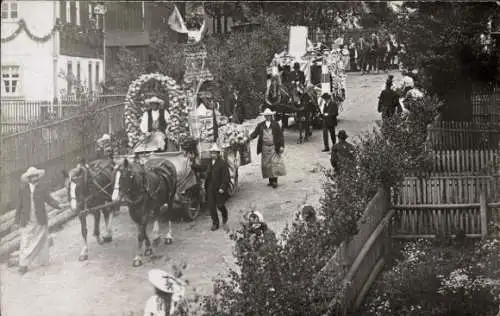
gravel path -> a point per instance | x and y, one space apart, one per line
107 284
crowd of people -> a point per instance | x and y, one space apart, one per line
371 53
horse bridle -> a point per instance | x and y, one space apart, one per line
143 192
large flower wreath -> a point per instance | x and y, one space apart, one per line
176 105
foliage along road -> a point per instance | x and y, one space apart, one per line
107 284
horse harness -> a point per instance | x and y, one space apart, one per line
87 172
146 190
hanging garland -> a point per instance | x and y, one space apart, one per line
23 27
176 105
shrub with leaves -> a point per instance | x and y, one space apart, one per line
439 279
275 277
395 148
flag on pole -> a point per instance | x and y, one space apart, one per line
176 22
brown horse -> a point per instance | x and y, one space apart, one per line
146 189
282 98
305 114
90 187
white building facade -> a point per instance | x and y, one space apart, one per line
45 41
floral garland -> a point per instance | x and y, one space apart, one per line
23 27
177 122
233 135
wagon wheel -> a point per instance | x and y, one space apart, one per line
192 205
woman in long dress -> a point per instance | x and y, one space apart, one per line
271 145
32 218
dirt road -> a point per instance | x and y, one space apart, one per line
107 284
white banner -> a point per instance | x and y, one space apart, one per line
297 45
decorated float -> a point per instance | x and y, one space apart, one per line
207 125
323 68
156 124
165 119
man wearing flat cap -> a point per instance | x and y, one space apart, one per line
330 113
32 218
343 157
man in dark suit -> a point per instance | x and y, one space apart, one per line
330 113
32 218
343 157
388 101
234 107
217 186
298 75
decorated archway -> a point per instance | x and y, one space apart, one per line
161 87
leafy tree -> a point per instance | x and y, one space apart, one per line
241 60
126 69
442 41
166 55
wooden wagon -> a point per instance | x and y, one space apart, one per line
189 195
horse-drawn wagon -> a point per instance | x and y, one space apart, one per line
182 137
323 72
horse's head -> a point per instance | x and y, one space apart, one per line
77 186
128 178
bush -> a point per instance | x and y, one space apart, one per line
439 279
275 277
384 156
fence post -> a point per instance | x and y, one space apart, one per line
483 211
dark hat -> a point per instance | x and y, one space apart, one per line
342 134
296 65
326 96
389 80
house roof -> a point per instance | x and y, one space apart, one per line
121 38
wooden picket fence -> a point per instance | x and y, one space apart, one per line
20 115
53 147
445 135
485 104
465 161
363 257
445 205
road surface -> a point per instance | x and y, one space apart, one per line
107 284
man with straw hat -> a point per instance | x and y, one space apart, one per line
32 218
271 144
169 290
216 187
